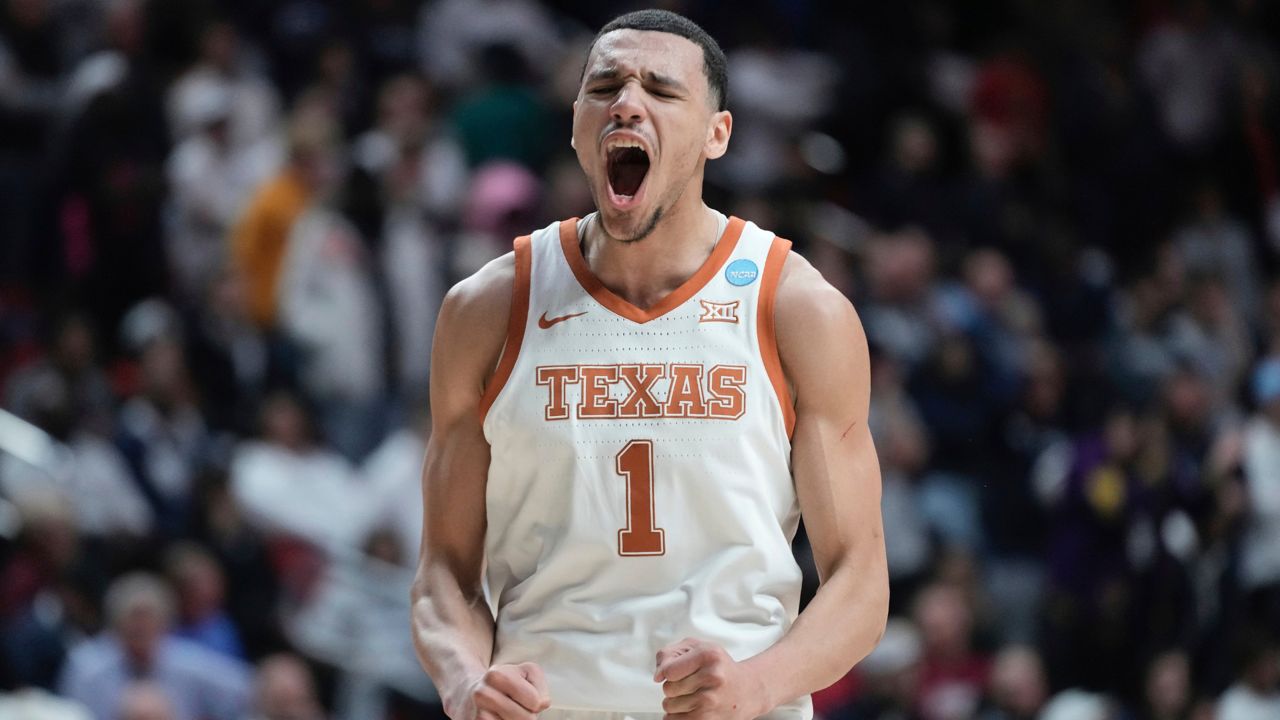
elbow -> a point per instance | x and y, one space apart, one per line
871 624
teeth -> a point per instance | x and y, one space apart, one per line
623 143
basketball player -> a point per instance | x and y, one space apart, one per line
631 412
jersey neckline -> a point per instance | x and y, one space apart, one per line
591 284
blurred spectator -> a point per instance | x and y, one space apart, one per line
505 118
1185 62
145 701
33 67
162 432
911 188
354 621
106 168
1168 688
338 85
1094 513
1019 688
72 357
253 590
201 590
1030 443
1141 352
284 690
86 471
419 175
953 676
1212 337
51 582
211 178
1257 695
259 240
453 33
1080 705
329 310
892 676
392 473
233 362
1214 243
1260 563
199 683
225 71
417 160
777 93
33 704
288 483
902 447
1010 109
502 197
900 313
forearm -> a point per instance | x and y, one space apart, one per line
839 627
452 633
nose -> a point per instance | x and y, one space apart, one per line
627 106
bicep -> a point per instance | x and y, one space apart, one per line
468 340
837 473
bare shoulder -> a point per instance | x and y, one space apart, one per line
820 338
472 325
484 295
808 307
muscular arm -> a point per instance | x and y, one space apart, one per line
452 625
837 478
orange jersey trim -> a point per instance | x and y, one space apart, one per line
515 324
773 263
603 295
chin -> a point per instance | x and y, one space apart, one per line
629 225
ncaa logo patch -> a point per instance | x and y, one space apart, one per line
741 272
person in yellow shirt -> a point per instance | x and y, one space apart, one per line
259 239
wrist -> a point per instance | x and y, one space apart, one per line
762 694
457 697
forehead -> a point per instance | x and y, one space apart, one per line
648 51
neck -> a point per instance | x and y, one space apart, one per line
644 271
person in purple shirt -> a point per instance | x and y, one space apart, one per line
201 684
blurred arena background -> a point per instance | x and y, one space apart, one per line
225 228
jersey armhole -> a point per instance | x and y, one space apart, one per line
515 325
768 340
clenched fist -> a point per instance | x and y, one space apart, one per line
503 692
700 680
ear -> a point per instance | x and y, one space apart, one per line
718 135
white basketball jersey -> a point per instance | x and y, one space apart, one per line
640 489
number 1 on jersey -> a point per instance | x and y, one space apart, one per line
640 536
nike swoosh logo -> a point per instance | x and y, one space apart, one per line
544 322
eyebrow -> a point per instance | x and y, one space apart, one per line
649 76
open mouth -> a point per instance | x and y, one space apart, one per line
628 164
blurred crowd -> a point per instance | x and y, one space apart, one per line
226 227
